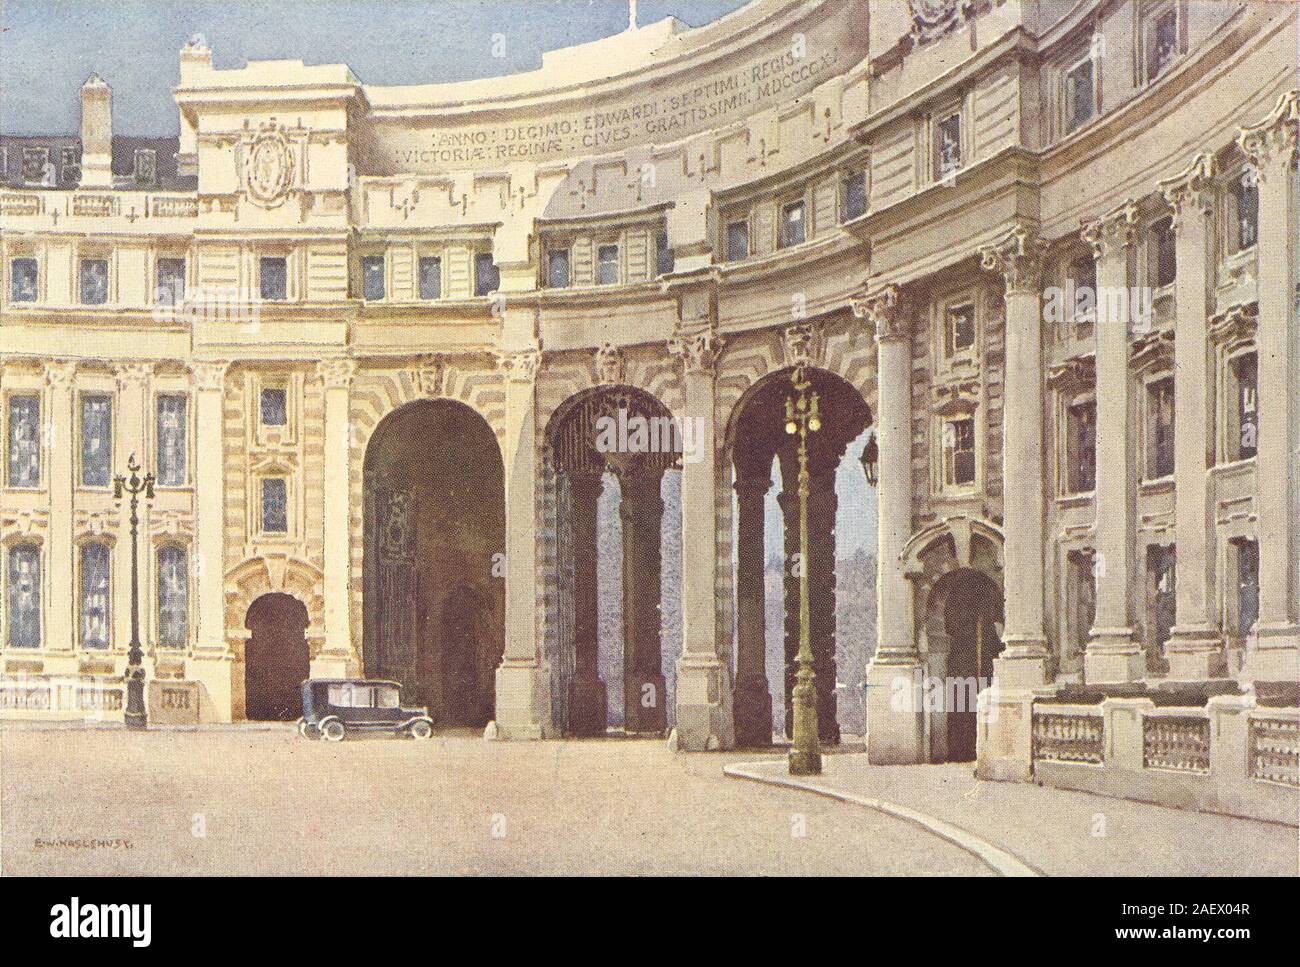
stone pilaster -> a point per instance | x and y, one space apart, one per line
1273 653
130 435
642 509
61 442
1113 653
1195 648
753 699
338 658
588 712
895 731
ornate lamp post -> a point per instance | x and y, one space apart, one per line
801 417
136 717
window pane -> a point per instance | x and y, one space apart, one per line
275 511
1082 448
171 441
855 195
1161 417
372 277
607 265
386 697
24 441
146 166
1163 594
96 440
1078 96
171 281
1166 252
94 596
557 269
1247 215
273 279
792 224
430 277
24 581
1162 43
22 280
664 258
94 281
1247 585
173 598
947 144
1247 408
274 406
486 277
961 328
737 241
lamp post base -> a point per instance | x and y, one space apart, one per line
135 717
805 762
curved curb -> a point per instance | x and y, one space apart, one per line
1001 862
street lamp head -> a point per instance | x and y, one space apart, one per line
871 461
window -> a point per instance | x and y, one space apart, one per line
173 597
947 146
1164 267
1245 196
430 277
487 279
274 406
1247 553
853 195
959 329
146 166
959 452
273 278
22 280
1161 597
94 282
349 695
557 268
94 596
171 282
1079 101
96 440
793 231
35 161
1160 429
69 165
1082 599
1082 277
372 277
737 240
275 505
1081 433
171 440
1161 43
24 590
607 265
24 441
664 256
1245 436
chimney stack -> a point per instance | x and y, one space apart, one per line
96 133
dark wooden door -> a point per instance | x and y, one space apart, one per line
276 660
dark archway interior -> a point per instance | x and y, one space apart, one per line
276 659
434 592
759 437
972 617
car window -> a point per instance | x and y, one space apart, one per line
386 697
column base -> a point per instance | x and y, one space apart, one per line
704 709
645 708
1195 654
753 702
895 713
588 706
1273 654
1023 663
221 685
523 701
1113 656
1003 738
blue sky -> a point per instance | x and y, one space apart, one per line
49 47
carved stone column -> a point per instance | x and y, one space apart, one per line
1113 653
588 705
1274 652
1195 648
753 698
61 633
641 509
338 658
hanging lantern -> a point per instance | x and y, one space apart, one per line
871 461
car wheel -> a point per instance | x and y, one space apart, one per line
333 731
421 730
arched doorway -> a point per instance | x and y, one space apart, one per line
276 659
966 605
762 454
433 581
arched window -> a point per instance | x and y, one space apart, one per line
23 586
95 601
173 597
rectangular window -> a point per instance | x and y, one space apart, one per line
273 278
959 329
1083 599
1082 275
1078 95
35 162
22 280
557 268
487 279
275 505
959 452
1162 43
372 277
737 240
1164 253
1245 194
793 227
1082 445
853 196
1160 429
24 588
173 597
665 259
94 596
96 440
1247 584
24 441
171 282
1246 437
146 166
607 265
1161 600
274 406
947 146
94 282
430 277
69 166
171 440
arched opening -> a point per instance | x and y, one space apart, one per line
766 470
433 575
276 659
615 453
964 632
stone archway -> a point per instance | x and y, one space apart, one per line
276 658
757 439
433 590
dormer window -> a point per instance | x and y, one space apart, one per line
430 277
664 258
372 277
793 224
737 240
607 265
557 268
853 196
69 165
487 278
146 166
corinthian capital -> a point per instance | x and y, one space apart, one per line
1118 227
698 351
1273 140
1018 258
336 373
886 312
129 374
1192 186
59 373
520 365
209 375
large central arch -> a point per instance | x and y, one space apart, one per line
433 575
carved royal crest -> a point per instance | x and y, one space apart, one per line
932 18
268 167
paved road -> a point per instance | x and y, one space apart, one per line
274 803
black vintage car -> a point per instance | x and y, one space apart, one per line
333 708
